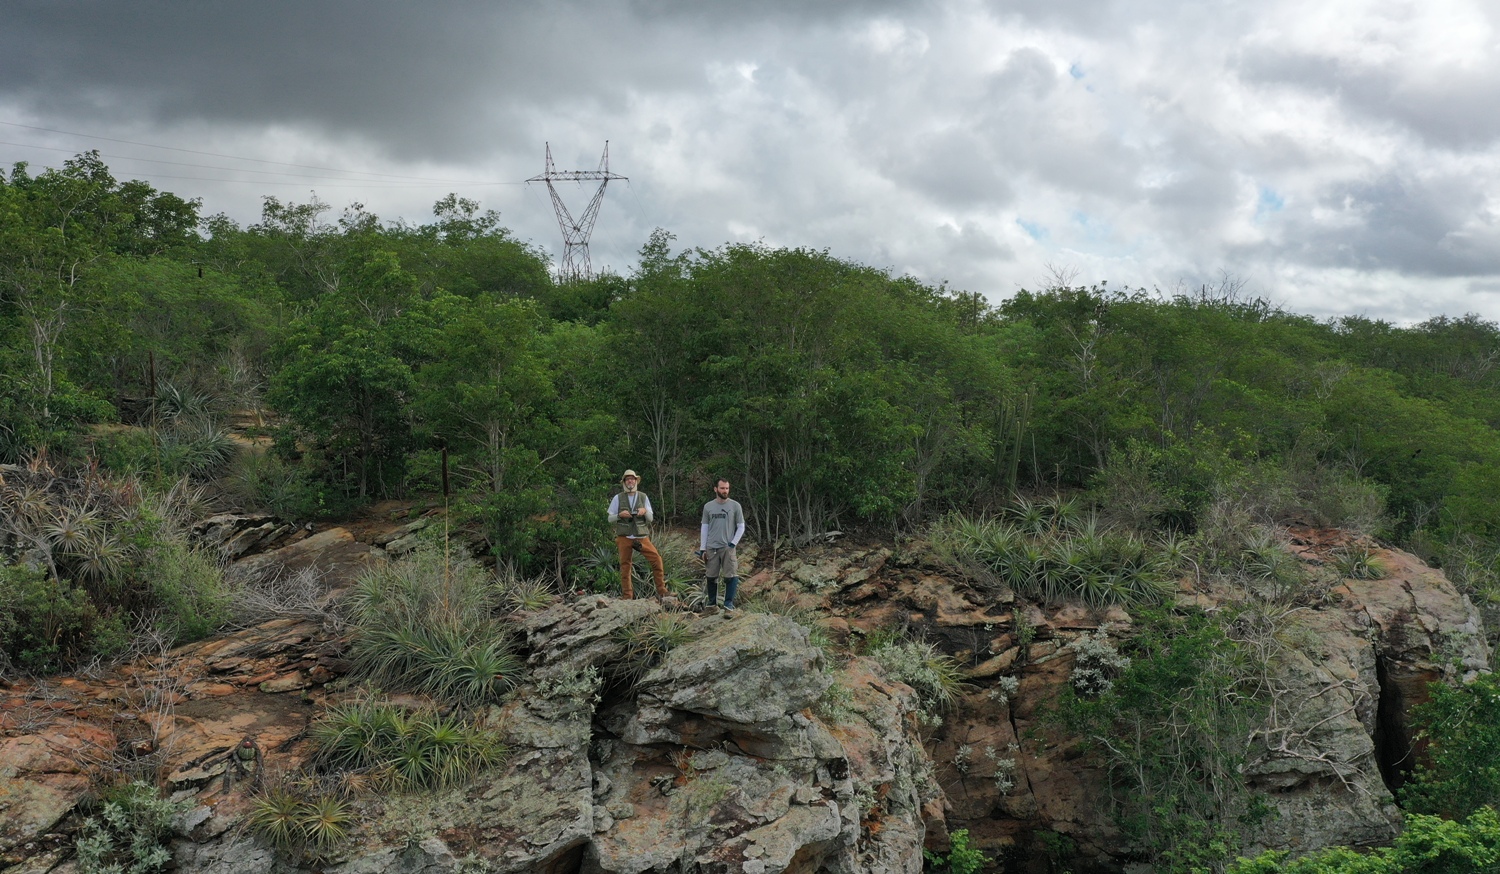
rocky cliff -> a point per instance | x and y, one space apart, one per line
730 754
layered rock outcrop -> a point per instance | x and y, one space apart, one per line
744 749
714 760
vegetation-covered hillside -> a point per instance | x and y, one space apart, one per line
832 393
375 359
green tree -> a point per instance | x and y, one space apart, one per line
1458 772
345 382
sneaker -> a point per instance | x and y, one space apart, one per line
730 607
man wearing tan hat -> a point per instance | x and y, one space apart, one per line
630 513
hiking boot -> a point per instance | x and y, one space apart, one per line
710 609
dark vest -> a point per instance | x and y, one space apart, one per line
636 525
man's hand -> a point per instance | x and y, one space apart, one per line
700 554
625 514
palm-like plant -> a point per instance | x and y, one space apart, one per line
276 816
648 641
1055 550
325 821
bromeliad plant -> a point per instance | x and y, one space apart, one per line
428 624
404 750
648 640
301 820
1056 551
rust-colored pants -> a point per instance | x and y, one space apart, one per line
627 546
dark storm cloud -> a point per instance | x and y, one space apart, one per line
395 73
720 12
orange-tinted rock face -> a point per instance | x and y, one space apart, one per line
798 790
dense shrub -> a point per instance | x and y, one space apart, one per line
1173 726
962 858
1428 845
128 834
103 556
428 623
1459 773
46 625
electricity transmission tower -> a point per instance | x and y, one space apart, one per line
575 262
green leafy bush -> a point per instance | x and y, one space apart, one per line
47 625
128 833
1428 845
190 588
1460 771
267 482
963 857
1173 730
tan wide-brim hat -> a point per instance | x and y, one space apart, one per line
627 474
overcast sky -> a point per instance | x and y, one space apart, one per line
1342 157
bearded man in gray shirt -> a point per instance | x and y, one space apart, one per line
723 525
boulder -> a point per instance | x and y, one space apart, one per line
43 776
753 668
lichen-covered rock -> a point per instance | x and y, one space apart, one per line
741 750
427 856
752 668
43 776
712 760
1315 758
235 854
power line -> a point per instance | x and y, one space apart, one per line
230 157
347 183
261 172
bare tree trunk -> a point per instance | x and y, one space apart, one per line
45 330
